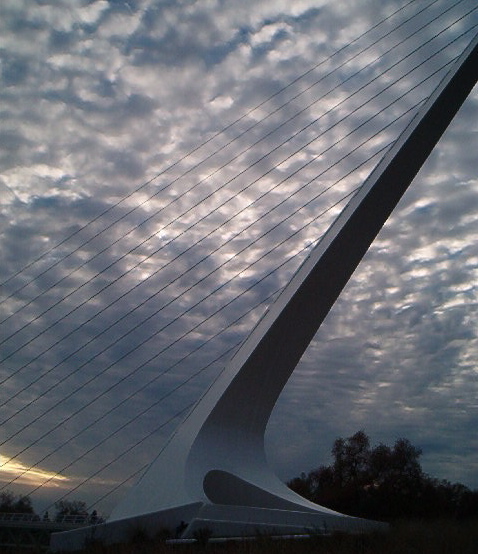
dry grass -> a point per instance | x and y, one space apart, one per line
406 537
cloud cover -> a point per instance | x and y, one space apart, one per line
145 205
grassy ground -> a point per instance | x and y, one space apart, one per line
408 537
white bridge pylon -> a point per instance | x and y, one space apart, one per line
213 471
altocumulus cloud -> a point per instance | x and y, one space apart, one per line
110 336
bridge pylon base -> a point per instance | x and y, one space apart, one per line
218 520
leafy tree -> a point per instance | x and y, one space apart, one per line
351 459
12 504
382 483
301 485
70 508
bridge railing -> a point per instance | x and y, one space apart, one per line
76 520
20 518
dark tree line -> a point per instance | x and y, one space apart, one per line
70 508
12 504
383 483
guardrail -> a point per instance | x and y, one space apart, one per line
31 531
79 519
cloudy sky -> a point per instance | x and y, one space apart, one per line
165 167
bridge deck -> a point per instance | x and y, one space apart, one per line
31 531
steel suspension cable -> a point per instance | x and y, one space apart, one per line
127 314
62 279
152 296
172 418
123 481
189 309
142 388
220 188
214 136
168 394
63 360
